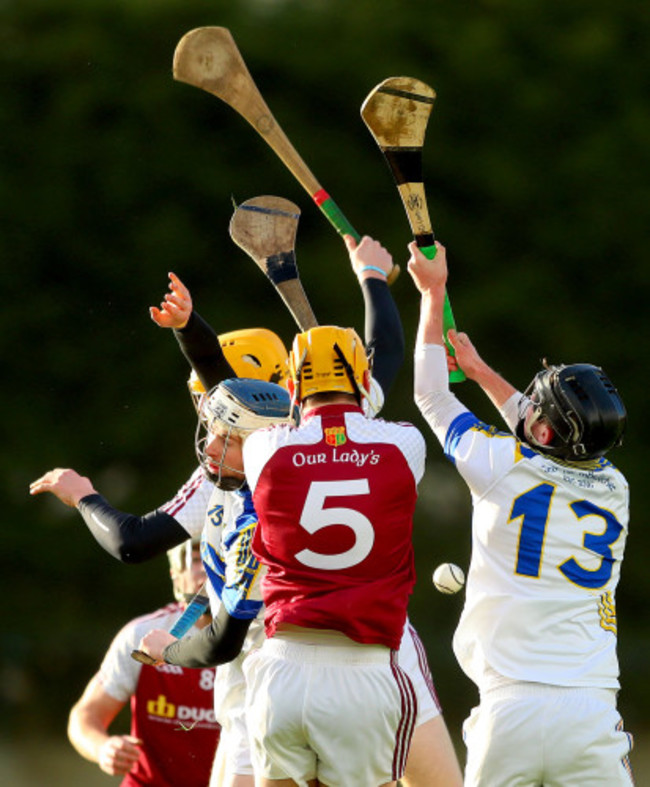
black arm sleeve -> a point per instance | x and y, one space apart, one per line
130 538
384 333
217 643
200 346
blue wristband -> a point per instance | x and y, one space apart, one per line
375 269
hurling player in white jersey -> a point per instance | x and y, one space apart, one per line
550 516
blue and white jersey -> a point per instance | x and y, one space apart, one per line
548 539
226 522
234 572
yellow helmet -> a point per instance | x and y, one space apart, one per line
328 358
257 354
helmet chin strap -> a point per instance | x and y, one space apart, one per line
528 430
228 484
296 394
359 389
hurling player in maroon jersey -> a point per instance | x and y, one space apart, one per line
335 498
164 701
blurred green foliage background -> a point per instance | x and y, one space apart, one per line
537 172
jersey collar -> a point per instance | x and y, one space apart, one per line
331 410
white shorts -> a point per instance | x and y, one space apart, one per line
230 712
230 697
526 734
341 714
233 757
413 660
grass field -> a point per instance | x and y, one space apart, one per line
53 762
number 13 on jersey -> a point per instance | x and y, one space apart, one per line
533 508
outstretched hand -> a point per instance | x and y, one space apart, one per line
64 483
176 307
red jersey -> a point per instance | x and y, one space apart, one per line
172 709
335 500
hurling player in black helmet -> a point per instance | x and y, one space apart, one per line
583 413
550 515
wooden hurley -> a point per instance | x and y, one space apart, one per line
265 228
208 58
396 113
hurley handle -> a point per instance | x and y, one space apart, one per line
447 320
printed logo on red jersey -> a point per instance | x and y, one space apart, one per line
169 702
163 709
335 435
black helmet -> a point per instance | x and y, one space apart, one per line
583 408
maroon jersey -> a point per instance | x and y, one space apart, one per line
172 709
335 500
175 719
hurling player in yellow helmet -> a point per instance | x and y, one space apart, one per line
252 353
334 497
328 359
256 353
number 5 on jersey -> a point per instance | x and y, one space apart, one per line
315 516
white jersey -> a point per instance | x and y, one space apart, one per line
226 521
189 504
547 544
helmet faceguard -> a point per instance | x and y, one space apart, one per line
180 560
256 353
582 407
329 359
238 407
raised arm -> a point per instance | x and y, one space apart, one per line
495 387
430 277
197 340
384 335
